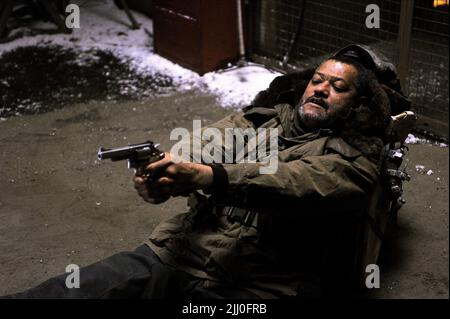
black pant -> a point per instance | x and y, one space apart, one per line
136 274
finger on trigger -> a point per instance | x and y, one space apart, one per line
156 167
138 179
165 181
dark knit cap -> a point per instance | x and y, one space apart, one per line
374 61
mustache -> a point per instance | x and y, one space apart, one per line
318 101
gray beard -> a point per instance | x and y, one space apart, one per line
317 121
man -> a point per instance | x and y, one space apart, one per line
294 233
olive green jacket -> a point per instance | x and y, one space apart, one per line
306 225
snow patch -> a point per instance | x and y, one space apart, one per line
411 139
103 26
238 87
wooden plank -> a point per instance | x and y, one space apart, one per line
135 25
5 12
404 39
177 35
200 34
296 37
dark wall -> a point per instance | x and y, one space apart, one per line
294 34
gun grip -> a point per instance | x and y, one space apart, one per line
140 171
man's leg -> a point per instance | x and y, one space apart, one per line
123 275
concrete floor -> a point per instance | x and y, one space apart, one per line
58 205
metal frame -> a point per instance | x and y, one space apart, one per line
6 7
404 39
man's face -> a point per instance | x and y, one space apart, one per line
329 95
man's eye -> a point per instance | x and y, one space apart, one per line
315 81
340 89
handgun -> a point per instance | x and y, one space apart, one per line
138 155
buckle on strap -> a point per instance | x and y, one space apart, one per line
243 216
398 173
396 153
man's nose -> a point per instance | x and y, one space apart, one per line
322 90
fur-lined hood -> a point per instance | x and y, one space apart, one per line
365 129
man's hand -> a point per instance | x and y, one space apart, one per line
172 179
